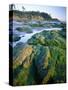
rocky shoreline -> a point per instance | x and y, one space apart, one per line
42 60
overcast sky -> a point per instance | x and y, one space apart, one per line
54 11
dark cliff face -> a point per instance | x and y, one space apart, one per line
42 61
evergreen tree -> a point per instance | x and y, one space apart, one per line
23 8
12 6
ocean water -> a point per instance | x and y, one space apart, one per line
26 36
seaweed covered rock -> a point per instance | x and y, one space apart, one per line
42 61
49 38
24 28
